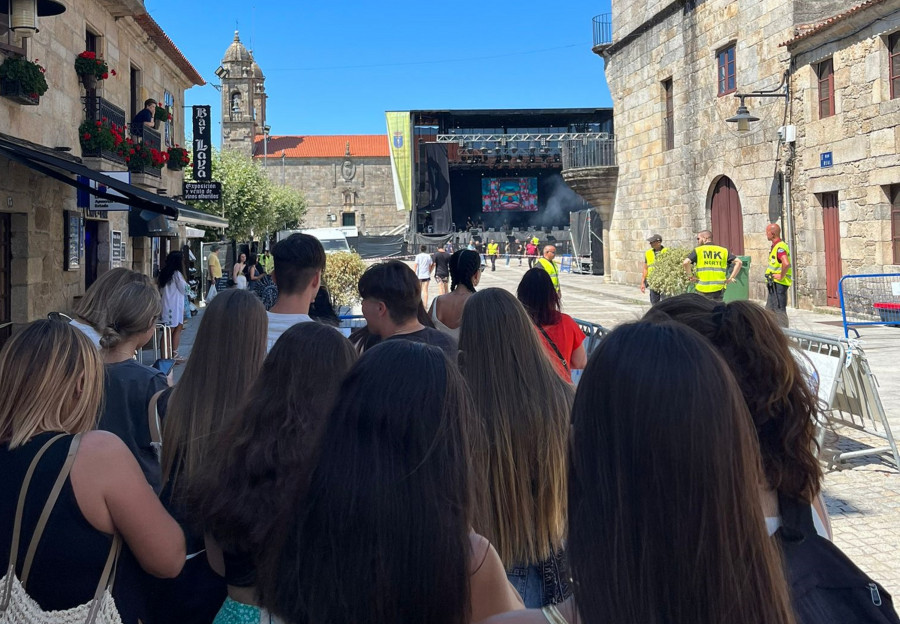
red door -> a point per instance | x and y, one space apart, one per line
727 220
831 222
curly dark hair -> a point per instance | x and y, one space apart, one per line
272 436
782 403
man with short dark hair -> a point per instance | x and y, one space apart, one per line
441 268
424 264
145 118
391 297
299 262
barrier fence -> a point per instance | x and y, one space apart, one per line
594 333
870 299
848 389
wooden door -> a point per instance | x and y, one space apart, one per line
831 222
5 277
727 220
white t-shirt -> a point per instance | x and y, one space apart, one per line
423 266
280 323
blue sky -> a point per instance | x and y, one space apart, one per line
335 67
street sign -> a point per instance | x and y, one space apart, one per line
202 144
825 160
202 191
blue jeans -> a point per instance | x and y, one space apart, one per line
542 583
529 582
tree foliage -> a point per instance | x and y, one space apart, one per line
341 277
253 204
668 277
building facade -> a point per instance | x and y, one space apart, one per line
346 179
54 238
674 68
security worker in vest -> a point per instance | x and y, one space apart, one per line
712 267
779 274
546 262
656 248
493 250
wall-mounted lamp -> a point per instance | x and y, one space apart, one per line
743 117
23 14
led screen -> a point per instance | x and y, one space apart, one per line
501 194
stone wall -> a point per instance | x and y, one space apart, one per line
863 137
324 182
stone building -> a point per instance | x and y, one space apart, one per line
346 179
55 238
674 68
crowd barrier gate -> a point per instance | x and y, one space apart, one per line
594 333
870 299
848 389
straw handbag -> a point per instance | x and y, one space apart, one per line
16 606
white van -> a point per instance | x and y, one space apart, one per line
332 239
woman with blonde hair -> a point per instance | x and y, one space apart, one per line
90 312
131 322
51 388
523 405
225 360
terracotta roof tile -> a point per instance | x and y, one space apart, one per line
160 38
333 146
808 30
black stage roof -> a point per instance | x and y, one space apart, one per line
518 118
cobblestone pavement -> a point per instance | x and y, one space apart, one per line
863 496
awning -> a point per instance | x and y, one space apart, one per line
58 165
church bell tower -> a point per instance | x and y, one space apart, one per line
243 98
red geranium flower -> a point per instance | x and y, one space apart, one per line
104 76
113 72
86 136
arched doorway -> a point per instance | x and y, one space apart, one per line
727 219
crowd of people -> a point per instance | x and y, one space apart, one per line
436 466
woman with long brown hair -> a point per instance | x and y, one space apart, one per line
51 388
781 400
465 273
664 521
262 454
226 357
523 406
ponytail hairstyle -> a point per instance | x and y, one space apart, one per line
464 265
93 307
132 311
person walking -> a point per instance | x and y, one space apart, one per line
214 271
507 249
656 248
424 264
519 250
238 275
493 250
779 274
441 269
712 265
531 253
546 262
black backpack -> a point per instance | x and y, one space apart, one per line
826 587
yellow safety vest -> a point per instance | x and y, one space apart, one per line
493 249
775 266
712 264
650 257
550 267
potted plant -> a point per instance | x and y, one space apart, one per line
22 80
668 277
90 69
100 136
178 158
162 114
140 157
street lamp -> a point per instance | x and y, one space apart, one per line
266 146
743 117
23 14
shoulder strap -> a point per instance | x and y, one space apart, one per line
153 418
48 507
554 347
20 505
106 578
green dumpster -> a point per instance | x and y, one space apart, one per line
739 289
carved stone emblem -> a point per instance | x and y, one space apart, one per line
348 170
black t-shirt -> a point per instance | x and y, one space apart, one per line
441 264
434 338
128 389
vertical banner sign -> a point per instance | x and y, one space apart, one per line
202 144
400 137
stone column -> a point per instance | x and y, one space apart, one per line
597 185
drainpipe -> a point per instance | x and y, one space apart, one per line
789 225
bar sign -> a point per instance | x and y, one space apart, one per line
202 144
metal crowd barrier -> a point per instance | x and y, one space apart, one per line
594 333
870 299
848 389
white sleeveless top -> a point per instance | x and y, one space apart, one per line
440 326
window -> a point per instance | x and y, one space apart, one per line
169 101
894 52
894 192
91 44
669 118
727 79
825 72
137 104
348 219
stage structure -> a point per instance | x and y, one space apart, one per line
496 174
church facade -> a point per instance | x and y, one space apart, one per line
346 179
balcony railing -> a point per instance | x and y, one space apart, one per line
152 139
602 32
96 109
589 153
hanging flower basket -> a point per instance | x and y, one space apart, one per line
178 158
22 80
140 158
100 136
162 114
90 69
